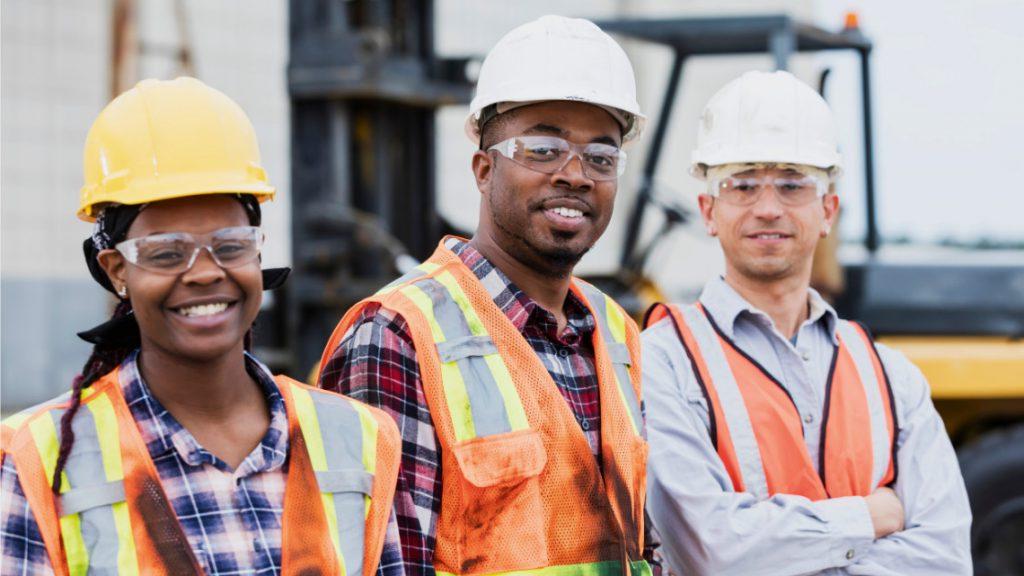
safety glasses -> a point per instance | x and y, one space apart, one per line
792 188
549 154
176 252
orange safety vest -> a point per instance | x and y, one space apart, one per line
757 430
521 490
112 515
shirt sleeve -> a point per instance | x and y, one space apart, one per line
705 526
23 551
376 363
937 515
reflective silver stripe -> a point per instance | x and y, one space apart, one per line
880 443
353 480
342 437
617 351
78 499
730 400
85 473
467 350
410 275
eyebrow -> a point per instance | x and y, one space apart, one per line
556 131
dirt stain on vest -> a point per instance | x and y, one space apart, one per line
164 530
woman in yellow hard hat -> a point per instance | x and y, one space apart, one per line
177 451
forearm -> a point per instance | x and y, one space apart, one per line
936 539
729 533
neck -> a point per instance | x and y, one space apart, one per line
204 390
546 290
783 300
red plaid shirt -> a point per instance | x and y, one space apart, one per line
376 363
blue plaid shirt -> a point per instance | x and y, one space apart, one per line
232 518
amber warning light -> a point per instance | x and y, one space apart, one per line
851 21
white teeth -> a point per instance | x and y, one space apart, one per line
567 212
203 309
770 236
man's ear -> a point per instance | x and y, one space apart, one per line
707 204
483 170
114 264
830 202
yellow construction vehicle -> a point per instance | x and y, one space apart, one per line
960 319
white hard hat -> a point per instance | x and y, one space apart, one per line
557 58
766 117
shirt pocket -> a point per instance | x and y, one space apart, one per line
502 512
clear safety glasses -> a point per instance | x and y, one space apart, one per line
792 188
549 154
176 252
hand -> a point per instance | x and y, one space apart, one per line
886 512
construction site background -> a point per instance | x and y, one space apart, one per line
946 126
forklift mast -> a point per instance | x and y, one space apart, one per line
364 85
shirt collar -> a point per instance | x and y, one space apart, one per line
162 433
513 302
727 307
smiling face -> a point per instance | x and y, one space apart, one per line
200 314
768 240
546 221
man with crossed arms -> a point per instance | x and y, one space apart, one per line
783 440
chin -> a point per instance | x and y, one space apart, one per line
207 350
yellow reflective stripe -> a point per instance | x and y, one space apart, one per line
426 306
425 268
74 546
607 568
127 560
327 501
617 328
454 386
107 433
15 421
476 327
616 320
305 410
509 395
370 427
44 434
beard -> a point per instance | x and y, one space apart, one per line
555 261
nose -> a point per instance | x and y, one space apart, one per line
767 206
204 270
572 175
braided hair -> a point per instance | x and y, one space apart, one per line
114 340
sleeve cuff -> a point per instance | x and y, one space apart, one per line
850 524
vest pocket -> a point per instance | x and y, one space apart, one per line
502 512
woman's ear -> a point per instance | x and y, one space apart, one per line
113 263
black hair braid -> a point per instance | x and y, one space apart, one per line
103 359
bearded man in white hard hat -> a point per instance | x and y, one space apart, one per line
784 440
517 387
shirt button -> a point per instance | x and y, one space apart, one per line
808 418
563 352
849 554
585 424
806 355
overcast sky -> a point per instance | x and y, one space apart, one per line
948 87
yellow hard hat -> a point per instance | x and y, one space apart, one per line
169 139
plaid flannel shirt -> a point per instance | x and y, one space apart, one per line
376 363
232 518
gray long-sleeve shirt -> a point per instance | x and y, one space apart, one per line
707 528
